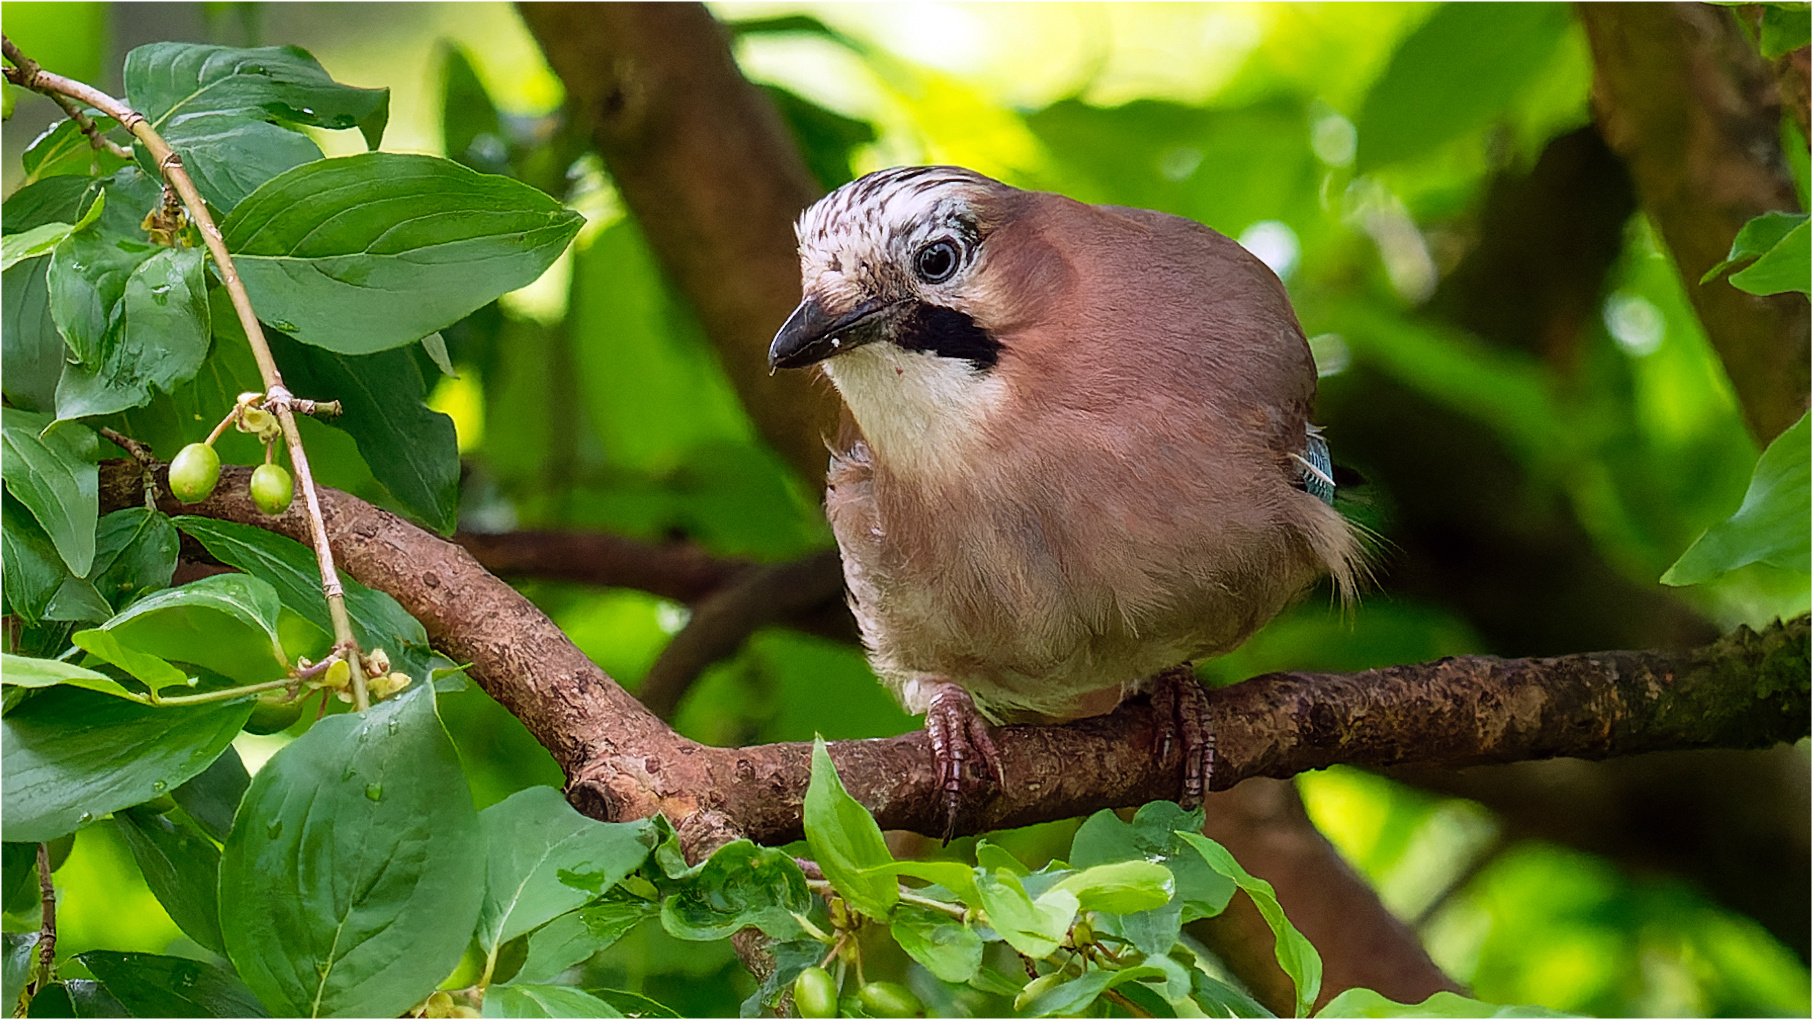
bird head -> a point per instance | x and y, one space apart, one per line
897 257
914 283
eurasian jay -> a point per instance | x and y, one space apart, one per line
1077 452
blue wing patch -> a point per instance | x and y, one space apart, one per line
1316 471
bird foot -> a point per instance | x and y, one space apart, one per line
1182 706
959 735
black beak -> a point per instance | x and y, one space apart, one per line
810 335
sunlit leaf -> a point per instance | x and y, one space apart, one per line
1295 954
544 859
1788 266
845 840
329 250
575 936
1364 1002
739 886
23 671
942 944
1771 525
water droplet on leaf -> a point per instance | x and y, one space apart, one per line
373 791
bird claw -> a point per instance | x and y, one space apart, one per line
959 735
1182 705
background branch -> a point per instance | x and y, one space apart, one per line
1683 96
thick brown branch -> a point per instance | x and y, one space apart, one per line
714 178
1683 96
1747 690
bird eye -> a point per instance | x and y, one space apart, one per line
936 261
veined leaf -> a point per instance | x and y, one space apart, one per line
350 884
147 984
1295 953
71 756
163 337
374 251
220 107
181 866
23 671
227 622
55 477
739 886
846 842
39 240
544 859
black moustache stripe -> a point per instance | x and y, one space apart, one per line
947 333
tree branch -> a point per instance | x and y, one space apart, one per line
711 173
1746 690
1682 95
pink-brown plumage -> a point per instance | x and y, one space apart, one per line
1118 492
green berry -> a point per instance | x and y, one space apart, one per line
814 993
885 998
194 472
272 489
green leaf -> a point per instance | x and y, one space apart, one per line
225 622
181 866
845 840
18 879
1455 74
790 958
39 240
1295 955
87 284
1785 27
1221 996
957 877
1123 888
990 857
71 756
1151 836
75 998
326 249
18 955
58 199
149 670
64 150
575 936
739 886
1069 998
412 450
55 477
1783 268
631 1004
151 985
351 883
545 858
1756 237
1364 1002
77 601
1034 928
1771 525
942 944
32 352
135 553
33 570
211 798
290 568
163 337
22 671
544 1001
220 107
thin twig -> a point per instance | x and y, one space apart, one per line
278 398
47 932
96 139
143 456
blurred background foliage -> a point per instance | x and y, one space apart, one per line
1358 148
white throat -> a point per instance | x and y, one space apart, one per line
921 414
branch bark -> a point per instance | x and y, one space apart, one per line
711 173
1746 690
1682 95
